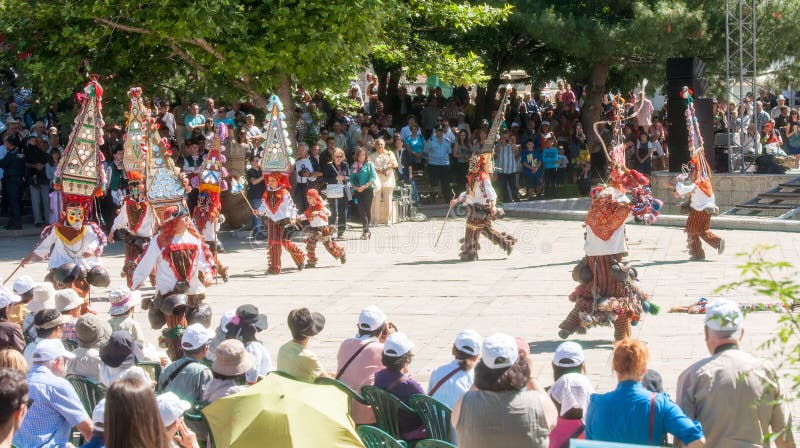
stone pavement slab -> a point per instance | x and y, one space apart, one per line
431 296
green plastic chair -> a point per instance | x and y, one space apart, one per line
89 391
387 409
434 443
69 344
153 368
376 438
343 387
435 416
194 413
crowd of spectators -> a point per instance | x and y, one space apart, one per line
727 399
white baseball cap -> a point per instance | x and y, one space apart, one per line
98 415
23 284
7 297
196 336
568 354
397 345
67 299
226 319
171 407
469 341
50 349
724 315
499 351
371 318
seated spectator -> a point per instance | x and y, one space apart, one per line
69 304
187 376
245 326
734 395
92 333
98 420
12 359
171 409
13 403
55 408
452 380
395 379
505 396
360 357
120 354
10 332
570 394
23 287
123 302
294 357
220 334
44 297
568 358
231 362
131 416
630 414
49 324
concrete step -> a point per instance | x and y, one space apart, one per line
780 195
768 206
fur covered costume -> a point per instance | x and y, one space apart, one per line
280 211
135 224
319 230
480 199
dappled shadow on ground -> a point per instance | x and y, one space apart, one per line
549 265
449 261
550 346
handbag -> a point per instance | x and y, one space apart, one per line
334 191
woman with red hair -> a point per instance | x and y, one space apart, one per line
280 211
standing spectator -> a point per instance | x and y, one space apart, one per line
256 186
430 118
55 195
505 396
507 156
781 100
35 161
247 323
13 166
239 152
194 122
405 168
254 135
68 303
761 116
167 121
294 357
187 376
385 165
54 141
364 179
10 332
340 139
372 93
646 112
644 154
231 362
92 333
532 170
15 404
793 133
49 325
452 380
735 396
131 416
337 172
631 414
395 379
304 176
55 408
438 150
192 166
116 188
461 155
550 165
210 110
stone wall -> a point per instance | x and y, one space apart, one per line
729 189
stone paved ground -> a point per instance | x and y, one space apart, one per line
431 296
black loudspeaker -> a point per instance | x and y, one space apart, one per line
678 134
684 68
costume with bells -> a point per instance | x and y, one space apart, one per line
609 292
74 244
280 211
480 199
695 182
206 214
318 229
135 224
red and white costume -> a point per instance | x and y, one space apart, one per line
318 229
280 211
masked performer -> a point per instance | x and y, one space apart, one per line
480 199
696 183
280 212
206 215
318 229
135 224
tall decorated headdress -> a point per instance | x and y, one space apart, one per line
698 169
80 175
212 179
135 158
165 187
277 146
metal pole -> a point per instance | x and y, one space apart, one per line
742 129
728 83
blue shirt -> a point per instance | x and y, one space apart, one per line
56 409
624 416
528 157
438 152
550 158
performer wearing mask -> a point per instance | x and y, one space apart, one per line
135 224
280 211
318 229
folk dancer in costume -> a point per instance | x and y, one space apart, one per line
480 199
318 229
184 268
135 225
695 182
206 215
280 211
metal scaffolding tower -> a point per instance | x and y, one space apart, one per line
740 68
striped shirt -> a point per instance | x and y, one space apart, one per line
507 160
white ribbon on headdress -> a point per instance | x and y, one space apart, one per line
597 124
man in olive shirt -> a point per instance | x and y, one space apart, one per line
294 357
735 396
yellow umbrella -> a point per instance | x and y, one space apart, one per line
283 413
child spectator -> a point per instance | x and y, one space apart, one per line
123 302
643 154
550 163
68 303
584 178
532 170
563 165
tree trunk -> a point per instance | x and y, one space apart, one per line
593 107
489 105
285 94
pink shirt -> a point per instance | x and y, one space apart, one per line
563 432
360 372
